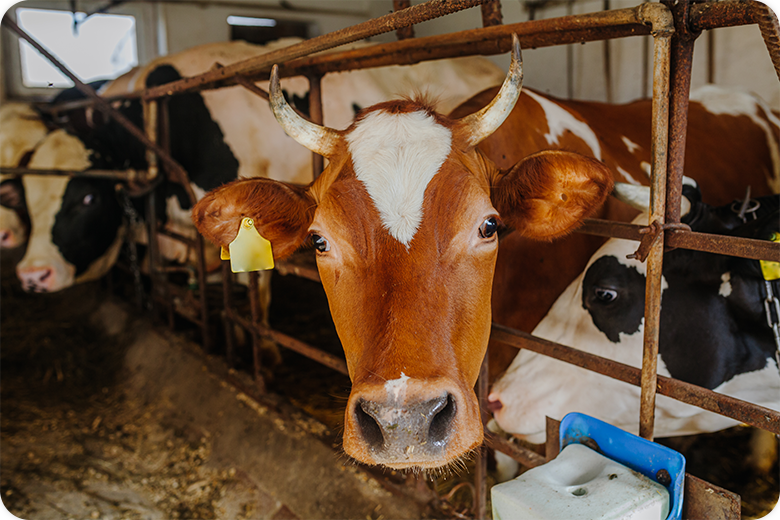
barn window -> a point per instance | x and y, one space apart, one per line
95 47
263 30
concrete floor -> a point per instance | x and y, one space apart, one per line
107 416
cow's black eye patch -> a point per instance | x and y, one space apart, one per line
87 223
614 296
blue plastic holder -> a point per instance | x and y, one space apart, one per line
641 455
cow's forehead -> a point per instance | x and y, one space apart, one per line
396 155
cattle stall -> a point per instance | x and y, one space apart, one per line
674 29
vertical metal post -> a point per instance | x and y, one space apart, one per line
649 376
316 115
404 32
480 474
491 13
681 62
227 299
254 304
150 113
607 62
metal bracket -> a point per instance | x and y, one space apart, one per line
650 234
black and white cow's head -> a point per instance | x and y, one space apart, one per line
77 224
713 333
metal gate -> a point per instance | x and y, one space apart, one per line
673 25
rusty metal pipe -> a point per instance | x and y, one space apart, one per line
100 103
317 117
129 176
749 413
491 13
663 28
390 22
329 360
404 32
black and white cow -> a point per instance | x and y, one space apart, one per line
21 130
713 333
217 136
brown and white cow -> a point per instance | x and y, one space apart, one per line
733 142
405 221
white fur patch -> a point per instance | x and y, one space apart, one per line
725 287
396 387
627 176
631 145
395 157
559 120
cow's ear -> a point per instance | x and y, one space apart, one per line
548 194
281 212
12 194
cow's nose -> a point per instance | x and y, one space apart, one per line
8 239
36 279
494 403
407 431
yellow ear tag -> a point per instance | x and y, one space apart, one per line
770 269
249 251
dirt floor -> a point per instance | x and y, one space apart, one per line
106 414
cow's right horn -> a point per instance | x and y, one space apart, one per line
318 139
480 125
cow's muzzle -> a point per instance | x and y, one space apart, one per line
425 428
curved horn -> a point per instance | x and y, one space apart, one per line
638 197
483 123
318 139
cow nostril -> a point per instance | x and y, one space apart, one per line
45 275
440 427
370 429
494 405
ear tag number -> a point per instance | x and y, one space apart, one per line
770 269
249 251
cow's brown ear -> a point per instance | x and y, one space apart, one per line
281 212
548 194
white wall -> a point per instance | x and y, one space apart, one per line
187 25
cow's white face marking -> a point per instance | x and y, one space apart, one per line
395 156
733 102
725 287
631 145
397 387
559 120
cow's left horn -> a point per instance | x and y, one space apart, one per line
318 139
480 125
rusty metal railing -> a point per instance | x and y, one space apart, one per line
673 28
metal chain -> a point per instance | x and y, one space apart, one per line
771 303
135 267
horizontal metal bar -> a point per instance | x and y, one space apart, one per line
390 22
684 239
132 176
192 242
291 343
714 15
724 245
300 264
749 413
524 456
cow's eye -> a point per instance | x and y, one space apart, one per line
320 244
488 228
606 295
88 199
